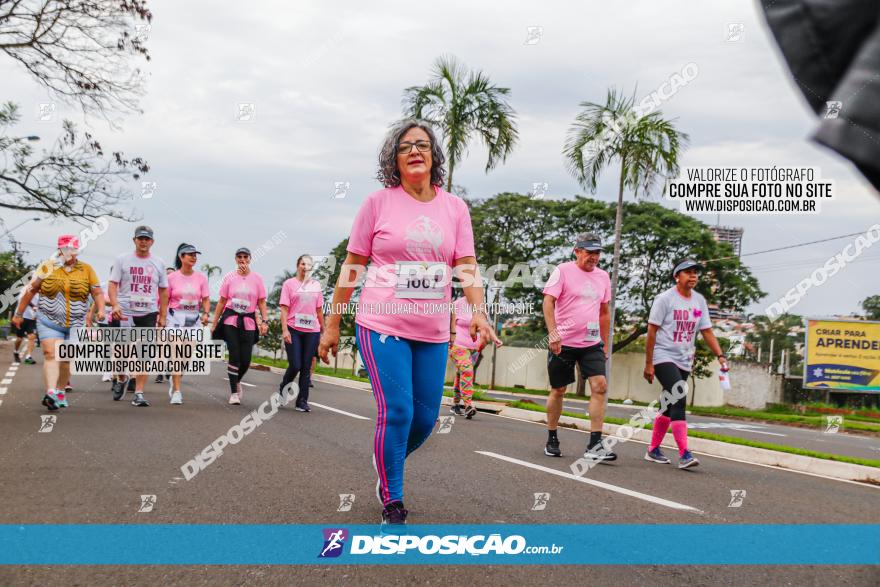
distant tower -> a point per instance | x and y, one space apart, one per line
730 235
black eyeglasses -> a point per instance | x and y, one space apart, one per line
406 148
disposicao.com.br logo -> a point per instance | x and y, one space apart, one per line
431 544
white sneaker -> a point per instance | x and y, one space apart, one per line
234 399
176 398
106 377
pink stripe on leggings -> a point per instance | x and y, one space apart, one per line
381 411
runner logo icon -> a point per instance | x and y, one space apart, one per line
334 541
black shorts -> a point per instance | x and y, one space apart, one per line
145 321
28 326
591 361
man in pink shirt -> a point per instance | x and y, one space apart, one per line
578 322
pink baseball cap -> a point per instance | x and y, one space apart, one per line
68 241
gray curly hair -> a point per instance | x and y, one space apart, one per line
388 172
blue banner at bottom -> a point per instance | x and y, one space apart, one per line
611 544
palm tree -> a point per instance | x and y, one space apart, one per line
462 103
211 270
647 147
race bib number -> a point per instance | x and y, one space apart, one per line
593 332
421 280
188 305
239 305
141 303
305 321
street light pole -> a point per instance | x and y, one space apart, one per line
35 219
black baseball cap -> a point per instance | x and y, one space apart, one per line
245 250
589 245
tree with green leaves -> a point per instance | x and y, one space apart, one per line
275 294
781 334
539 233
871 306
644 145
273 341
463 103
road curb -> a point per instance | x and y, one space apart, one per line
717 448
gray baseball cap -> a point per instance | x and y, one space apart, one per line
143 230
188 249
243 250
686 264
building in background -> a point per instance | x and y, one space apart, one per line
730 235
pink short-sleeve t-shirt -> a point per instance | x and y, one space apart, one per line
242 292
463 315
412 247
303 301
186 292
579 295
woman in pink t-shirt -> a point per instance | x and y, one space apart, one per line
188 302
241 293
464 353
301 322
413 233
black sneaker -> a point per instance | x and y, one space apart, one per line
140 401
599 453
30 361
160 378
456 409
303 407
394 514
552 448
470 412
50 401
16 358
311 385
68 388
118 390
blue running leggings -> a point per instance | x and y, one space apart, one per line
407 380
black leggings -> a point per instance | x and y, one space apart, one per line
668 374
300 352
240 344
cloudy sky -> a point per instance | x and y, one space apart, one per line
326 78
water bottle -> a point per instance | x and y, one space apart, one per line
724 378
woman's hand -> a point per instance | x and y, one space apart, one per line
649 373
264 328
480 325
287 338
329 343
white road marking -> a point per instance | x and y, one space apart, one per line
6 382
730 426
622 490
3 390
243 383
338 411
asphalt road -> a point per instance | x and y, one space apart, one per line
840 443
101 456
